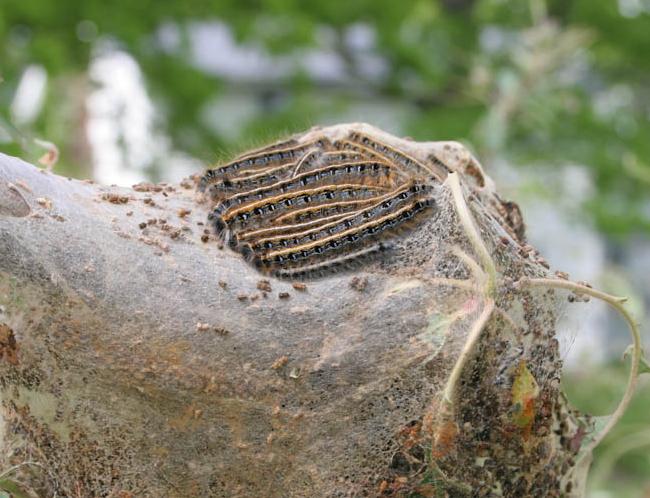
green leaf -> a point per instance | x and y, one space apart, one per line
644 365
11 489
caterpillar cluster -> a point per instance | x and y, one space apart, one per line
298 210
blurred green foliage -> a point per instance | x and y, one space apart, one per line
543 92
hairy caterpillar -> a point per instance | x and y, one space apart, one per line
299 210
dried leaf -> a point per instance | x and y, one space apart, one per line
524 393
50 158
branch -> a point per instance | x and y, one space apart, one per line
138 357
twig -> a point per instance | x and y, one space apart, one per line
473 234
449 394
11 470
487 273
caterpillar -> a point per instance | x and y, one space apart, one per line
383 206
290 202
307 209
334 243
349 261
275 155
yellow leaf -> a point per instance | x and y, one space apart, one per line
524 393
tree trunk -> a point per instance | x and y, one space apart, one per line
141 358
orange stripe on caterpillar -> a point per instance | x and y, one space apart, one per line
259 161
326 209
382 205
344 262
252 179
414 167
366 173
347 240
276 205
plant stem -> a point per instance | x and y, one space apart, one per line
473 234
486 273
449 394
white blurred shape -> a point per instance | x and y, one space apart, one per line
228 114
121 125
169 37
215 51
30 94
360 36
322 65
608 103
120 119
633 8
493 39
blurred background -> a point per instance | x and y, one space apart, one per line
553 96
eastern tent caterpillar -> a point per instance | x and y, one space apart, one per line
415 167
256 213
307 209
366 173
383 205
349 261
338 242
253 162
